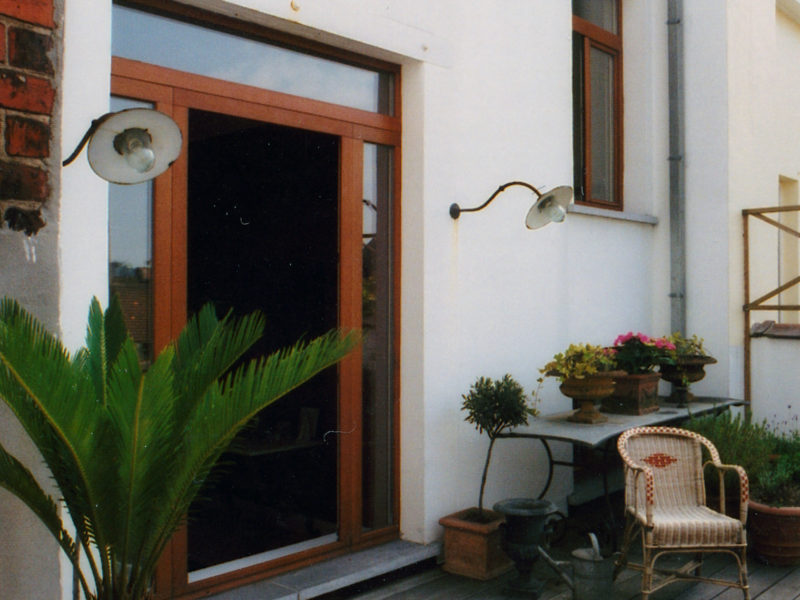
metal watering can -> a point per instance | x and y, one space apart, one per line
592 575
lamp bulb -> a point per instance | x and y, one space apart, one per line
554 211
135 147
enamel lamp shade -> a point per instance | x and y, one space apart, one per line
131 146
549 208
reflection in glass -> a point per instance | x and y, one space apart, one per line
167 42
601 72
578 110
378 397
602 13
130 251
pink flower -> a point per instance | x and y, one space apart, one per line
626 337
665 344
621 339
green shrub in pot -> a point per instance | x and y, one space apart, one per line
492 407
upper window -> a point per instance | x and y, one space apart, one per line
597 102
169 42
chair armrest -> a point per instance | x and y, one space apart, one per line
649 489
744 488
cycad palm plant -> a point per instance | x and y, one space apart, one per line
129 450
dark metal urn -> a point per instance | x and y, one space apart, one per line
522 535
685 371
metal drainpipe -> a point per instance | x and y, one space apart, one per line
677 175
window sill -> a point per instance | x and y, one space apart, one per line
581 209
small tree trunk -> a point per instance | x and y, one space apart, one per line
483 478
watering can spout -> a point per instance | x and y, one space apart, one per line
558 566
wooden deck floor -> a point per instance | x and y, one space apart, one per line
429 582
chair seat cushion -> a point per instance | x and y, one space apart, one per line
676 526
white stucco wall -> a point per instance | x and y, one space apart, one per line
83 241
706 163
495 297
775 382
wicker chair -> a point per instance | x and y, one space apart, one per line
665 502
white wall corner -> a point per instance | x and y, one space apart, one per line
790 8
83 220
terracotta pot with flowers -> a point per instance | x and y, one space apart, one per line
636 391
587 376
687 366
472 537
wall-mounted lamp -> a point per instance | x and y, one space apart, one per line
131 146
551 206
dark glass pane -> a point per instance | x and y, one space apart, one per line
263 235
130 226
601 73
578 120
602 13
378 397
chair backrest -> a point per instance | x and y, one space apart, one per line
676 459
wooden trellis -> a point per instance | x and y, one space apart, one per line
761 302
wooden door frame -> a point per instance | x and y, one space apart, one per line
140 81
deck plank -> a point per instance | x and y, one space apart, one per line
766 583
786 587
708 591
761 577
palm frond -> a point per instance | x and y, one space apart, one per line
206 349
227 406
142 409
105 336
18 480
54 402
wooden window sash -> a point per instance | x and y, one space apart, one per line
597 37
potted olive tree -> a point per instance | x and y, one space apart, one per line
472 537
129 450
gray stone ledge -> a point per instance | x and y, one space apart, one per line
619 215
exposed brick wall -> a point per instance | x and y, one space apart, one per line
27 98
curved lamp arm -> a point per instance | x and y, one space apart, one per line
456 210
86 137
548 208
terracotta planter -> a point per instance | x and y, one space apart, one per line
474 549
587 392
633 394
774 533
681 375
